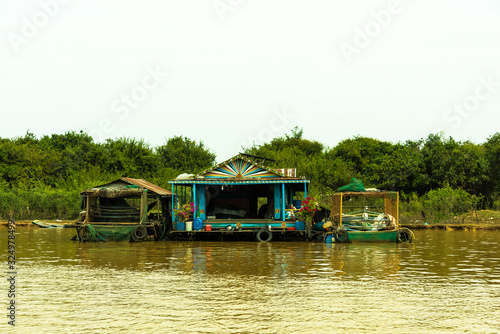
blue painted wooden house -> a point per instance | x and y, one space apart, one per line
241 192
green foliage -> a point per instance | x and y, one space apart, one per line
437 176
128 156
362 154
437 205
461 165
42 178
42 203
185 154
292 151
447 202
492 155
410 208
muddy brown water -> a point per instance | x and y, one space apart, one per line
446 282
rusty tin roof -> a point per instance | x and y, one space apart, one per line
138 182
148 185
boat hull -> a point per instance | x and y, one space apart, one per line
373 236
47 225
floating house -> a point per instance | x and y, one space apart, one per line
125 209
240 194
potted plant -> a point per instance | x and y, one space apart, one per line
307 212
184 211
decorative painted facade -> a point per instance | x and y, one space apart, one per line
236 189
239 167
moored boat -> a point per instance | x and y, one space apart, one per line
355 219
42 224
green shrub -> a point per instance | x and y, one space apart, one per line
444 203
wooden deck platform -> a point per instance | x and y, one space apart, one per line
281 234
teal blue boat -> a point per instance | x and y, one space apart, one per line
42 224
355 219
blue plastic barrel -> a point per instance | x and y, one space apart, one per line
318 226
300 225
329 239
197 224
180 226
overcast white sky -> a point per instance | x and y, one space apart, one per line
230 72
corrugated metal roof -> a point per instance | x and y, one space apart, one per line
148 185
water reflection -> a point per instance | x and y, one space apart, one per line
455 255
467 256
447 281
380 260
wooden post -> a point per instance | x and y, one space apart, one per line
144 205
158 207
331 209
87 215
341 200
397 209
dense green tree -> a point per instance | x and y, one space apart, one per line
128 157
401 170
461 165
307 156
492 154
185 155
78 152
24 165
363 157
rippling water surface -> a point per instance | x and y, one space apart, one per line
446 282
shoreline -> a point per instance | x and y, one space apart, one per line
29 223
493 226
451 226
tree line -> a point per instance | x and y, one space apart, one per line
40 178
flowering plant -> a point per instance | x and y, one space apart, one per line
308 209
184 211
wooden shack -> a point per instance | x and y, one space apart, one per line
241 194
124 209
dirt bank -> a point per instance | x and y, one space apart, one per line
483 219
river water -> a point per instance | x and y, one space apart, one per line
446 282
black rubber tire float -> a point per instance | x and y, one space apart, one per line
264 235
